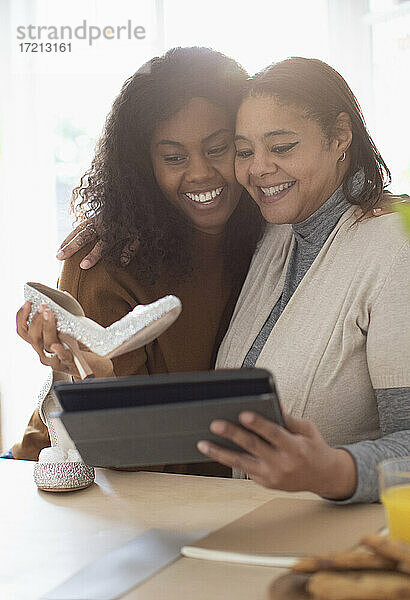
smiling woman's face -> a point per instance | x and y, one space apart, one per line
192 155
284 160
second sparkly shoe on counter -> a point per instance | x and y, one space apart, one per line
59 467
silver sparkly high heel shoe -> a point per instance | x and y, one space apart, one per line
60 467
139 327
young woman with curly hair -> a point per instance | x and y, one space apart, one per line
163 178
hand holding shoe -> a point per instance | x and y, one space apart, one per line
54 323
42 335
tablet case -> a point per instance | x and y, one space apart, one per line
158 419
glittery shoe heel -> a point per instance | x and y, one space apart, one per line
59 468
139 327
61 471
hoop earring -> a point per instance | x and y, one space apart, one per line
342 158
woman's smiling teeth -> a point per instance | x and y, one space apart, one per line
275 189
204 196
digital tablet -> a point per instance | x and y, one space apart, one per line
158 419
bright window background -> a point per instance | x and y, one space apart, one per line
53 107
390 25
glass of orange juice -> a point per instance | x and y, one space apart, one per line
394 482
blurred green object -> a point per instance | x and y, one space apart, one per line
403 208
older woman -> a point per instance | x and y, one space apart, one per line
325 303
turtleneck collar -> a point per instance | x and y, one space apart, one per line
316 229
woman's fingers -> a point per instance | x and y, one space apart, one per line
42 335
275 435
21 320
232 459
129 252
36 330
35 333
262 437
63 360
301 426
87 223
84 234
377 211
292 459
384 207
81 236
64 355
92 257
243 438
70 236
50 335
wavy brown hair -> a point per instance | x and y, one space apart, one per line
322 94
120 190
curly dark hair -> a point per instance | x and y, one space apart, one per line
322 93
120 189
